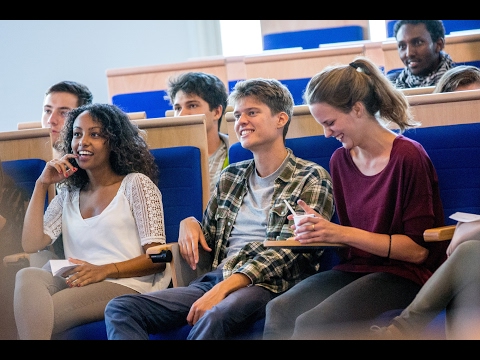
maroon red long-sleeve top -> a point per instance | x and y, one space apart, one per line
403 198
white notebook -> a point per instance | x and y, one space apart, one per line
58 267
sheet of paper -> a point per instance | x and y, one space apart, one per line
60 266
464 217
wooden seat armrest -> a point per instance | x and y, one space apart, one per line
157 249
440 233
3 221
19 259
296 245
36 259
182 274
160 253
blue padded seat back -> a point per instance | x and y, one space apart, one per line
231 84
390 25
394 71
455 153
460 25
154 103
25 173
318 149
475 63
180 182
311 39
296 87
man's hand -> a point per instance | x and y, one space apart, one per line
215 295
189 236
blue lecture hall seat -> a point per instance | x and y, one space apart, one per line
25 173
311 39
154 103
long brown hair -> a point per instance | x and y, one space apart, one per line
341 86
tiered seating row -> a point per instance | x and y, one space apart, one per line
143 88
458 107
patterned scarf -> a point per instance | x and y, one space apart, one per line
407 80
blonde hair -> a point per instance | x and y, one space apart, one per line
460 75
341 86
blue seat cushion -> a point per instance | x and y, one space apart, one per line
154 103
457 163
180 182
311 39
25 173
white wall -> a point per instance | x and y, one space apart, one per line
35 54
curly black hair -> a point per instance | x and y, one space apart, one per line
129 151
434 27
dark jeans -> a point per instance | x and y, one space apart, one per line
133 317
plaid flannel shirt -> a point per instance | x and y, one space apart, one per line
275 269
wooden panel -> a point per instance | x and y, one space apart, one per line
38 124
137 115
461 46
390 55
29 125
298 64
372 49
27 144
232 136
418 90
149 78
236 68
459 107
223 125
180 131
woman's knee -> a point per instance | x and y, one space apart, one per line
470 248
465 258
29 275
25 273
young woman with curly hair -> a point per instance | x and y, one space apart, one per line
109 211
